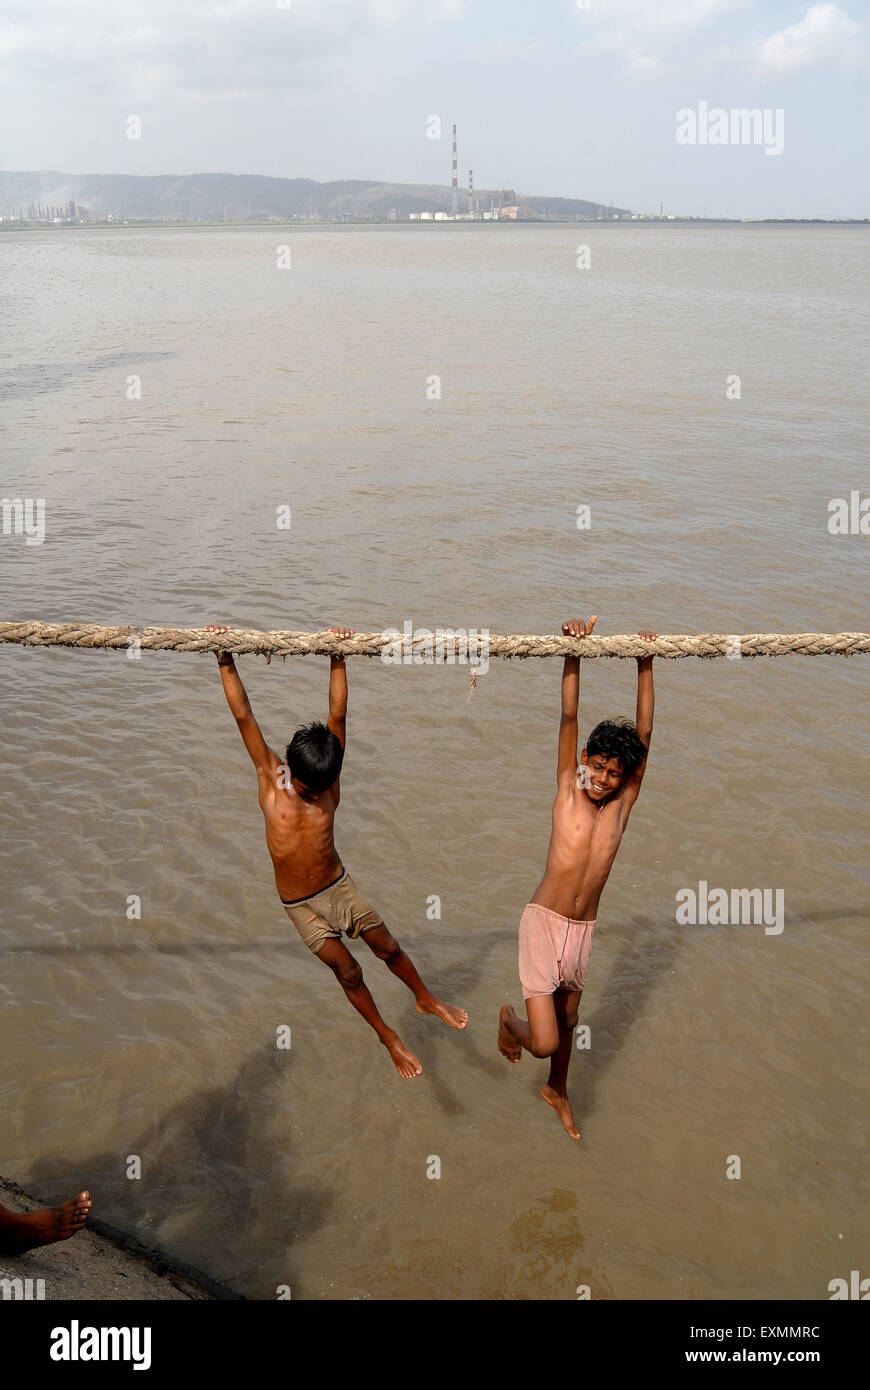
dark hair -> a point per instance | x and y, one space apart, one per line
617 738
314 755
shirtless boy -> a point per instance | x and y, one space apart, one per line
590 813
299 798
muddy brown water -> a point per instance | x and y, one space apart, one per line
310 388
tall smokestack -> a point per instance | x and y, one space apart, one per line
455 183
471 190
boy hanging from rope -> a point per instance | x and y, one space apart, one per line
299 798
590 813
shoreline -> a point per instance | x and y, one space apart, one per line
102 1263
195 224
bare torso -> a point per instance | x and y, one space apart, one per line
299 836
583 846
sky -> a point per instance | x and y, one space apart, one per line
570 98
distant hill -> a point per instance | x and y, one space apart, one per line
233 196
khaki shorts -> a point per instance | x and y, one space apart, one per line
337 908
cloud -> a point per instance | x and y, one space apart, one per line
500 51
645 64
653 40
826 35
652 17
394 11
142 48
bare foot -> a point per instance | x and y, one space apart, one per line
561 1104
448 1013
22 1230
405 1061
507 1043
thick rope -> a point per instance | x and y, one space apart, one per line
444 644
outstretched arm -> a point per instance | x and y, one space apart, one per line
337 721
566 766
643 714
645 693
263 757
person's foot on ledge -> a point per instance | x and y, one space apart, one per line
22 1230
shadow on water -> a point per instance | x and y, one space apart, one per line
214 1179
835 915
454 981
36 378
647 953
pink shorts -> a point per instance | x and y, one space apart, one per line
554 951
